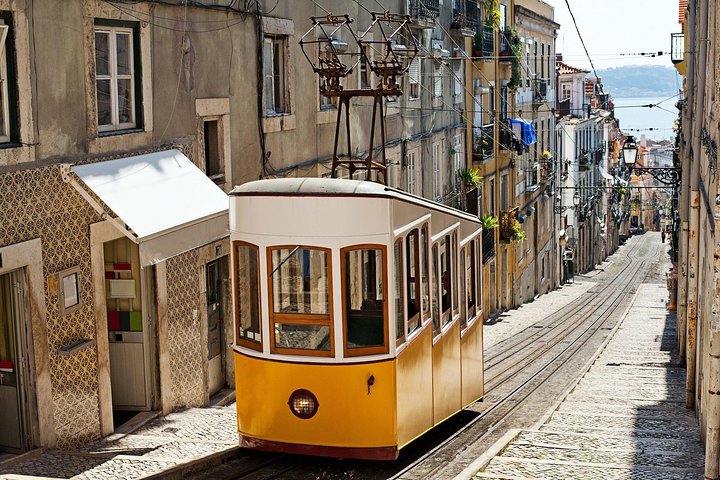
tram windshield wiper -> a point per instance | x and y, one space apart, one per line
292 252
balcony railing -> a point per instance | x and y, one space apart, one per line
488 245
427 10
484 140
677 47
465 15
484 41
539 90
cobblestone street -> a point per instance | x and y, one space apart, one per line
625 419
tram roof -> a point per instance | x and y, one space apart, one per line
338 187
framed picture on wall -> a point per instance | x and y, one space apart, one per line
69 290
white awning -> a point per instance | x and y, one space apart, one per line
605 174
162 201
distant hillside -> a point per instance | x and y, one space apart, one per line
640 81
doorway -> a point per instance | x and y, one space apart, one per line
14 434
129 335
215 273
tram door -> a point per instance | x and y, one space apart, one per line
12 354
214 272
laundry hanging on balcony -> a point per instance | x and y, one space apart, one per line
524 131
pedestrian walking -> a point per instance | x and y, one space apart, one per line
662 236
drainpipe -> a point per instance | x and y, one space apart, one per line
693 244
684 204
496 157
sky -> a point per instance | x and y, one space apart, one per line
614 27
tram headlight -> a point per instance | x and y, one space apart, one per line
303 404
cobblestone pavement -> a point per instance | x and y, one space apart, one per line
179 438
625 419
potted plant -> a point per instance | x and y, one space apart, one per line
489 222
515 52
470 178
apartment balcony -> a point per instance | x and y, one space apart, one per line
424 12
483 44
465 17
540 87
484 141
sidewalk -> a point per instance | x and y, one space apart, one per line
625 419
192 438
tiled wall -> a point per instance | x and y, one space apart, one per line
186 343
37 203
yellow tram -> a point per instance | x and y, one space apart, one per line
358 316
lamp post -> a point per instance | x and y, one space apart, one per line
559 208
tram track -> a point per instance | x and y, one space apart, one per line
504 407
557 341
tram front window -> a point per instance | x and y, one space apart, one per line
247 278
300 301
364 293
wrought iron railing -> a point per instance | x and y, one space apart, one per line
539 89
425 9
488 244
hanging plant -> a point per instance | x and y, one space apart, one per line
516 52
492 13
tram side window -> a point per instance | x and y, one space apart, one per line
363 272
436 289
454 271
399 306
247 299
412 261
470 280
463 302
425 271
446 285
300 300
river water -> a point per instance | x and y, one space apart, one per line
637 120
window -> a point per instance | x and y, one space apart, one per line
437 79
527 62
445 277
458 76
437 174
274 74
325 101
8 93
412 265
413 79
564 91
436 279
503 192
542 61
471 291
454 272
503 103
425 271
411 172
247 296
364 73
363 273
399 305
213 157
300 300
69 290
116 75
463 301
491 197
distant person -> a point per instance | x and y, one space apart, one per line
662 236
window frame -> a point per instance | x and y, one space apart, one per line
399 292
281 41
112 27
9 92
417 282
245 342
374 350
300 318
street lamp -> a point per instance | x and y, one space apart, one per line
559 208
630 151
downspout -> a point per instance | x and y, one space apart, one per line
496 155
693 241
684 194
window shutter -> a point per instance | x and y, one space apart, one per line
414 71
458 74
437 81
